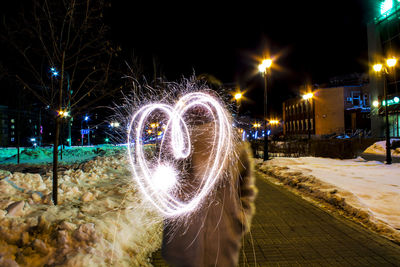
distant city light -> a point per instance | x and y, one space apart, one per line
114 124
33 139
86 118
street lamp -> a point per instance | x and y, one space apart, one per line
308 98
380 68
56 73
238 97
263 68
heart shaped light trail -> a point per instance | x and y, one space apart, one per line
160 178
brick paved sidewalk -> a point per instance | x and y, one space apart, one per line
289 231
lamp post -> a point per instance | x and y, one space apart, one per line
55 73
308 98
379 68
238 97
262 68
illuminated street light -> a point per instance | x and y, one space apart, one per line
274 122
391 62
396 100
308 96
265 64
375 103
379 68
238 96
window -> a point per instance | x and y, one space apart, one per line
12 121
12 139
12 127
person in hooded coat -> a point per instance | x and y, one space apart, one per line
212 235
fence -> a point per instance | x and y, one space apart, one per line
333 148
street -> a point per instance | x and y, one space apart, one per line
289 231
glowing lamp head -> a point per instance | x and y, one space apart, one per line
265 64
308 96
377 67
238 96
391 62
164 178
396 99
375 103
86 118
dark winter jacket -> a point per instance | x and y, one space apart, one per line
212 236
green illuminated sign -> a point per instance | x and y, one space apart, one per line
387 8
393 101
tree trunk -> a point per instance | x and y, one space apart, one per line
57 134
55 159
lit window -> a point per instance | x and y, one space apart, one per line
12 139
12 121
12 126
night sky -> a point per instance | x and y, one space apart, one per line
312 41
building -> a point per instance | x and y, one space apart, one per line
331 111
4 134
384 42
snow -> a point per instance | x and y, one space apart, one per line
379 148
101 219
370 188
44 155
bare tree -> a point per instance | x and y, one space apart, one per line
64 58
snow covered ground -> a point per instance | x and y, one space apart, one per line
43 155
366 190
100 220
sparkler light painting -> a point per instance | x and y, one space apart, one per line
161 178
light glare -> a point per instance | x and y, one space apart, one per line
377 67
391 62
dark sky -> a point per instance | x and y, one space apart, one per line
315 40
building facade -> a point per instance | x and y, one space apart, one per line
330 111
384 42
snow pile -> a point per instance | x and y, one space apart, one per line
367 191
100 219
379 148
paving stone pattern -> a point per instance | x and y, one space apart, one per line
289 231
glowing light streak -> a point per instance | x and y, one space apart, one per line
178 144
